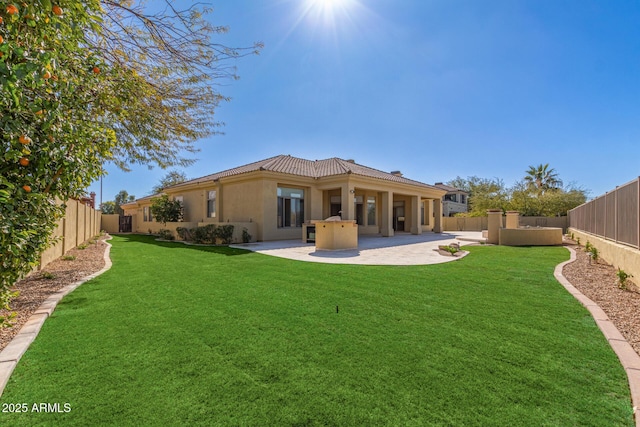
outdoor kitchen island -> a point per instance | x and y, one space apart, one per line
334 233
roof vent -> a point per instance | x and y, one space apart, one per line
396 173
439 183
350 161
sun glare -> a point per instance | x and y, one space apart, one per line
333 20
325 4
328 10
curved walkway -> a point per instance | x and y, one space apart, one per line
401 249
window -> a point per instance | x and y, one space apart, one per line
290 207
211 204
371 210
463 198
146 214
451 197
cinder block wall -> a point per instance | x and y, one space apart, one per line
620 256
79 224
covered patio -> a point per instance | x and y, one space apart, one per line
380 208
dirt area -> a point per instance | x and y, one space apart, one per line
37 287
598 281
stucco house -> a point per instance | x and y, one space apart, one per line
454 201
274 197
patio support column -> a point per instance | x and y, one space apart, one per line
315 204
416 228
386 227
437 212
348 204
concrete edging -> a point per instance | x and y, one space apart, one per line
11 354
629 359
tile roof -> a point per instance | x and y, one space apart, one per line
308 168
447 187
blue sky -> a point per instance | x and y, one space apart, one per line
434 88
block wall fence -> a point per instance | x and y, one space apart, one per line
611 223
80 223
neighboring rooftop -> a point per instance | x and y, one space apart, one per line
448 188
308 168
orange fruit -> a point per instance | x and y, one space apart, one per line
26 188
1 39
24 139
96 70
40 112
12 10
57 10
24 161
46 75
1 20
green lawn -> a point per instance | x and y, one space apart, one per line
177 335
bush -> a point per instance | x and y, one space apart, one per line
622 279
246 237
165 234
205 234
225 233
208 234
184 233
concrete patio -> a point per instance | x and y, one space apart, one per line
401 249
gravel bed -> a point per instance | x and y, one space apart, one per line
36 287
599 282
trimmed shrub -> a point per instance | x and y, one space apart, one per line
165 234
205 234
246 237
225 233
184 233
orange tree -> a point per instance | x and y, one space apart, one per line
52 144
89 81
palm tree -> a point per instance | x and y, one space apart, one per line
541 178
